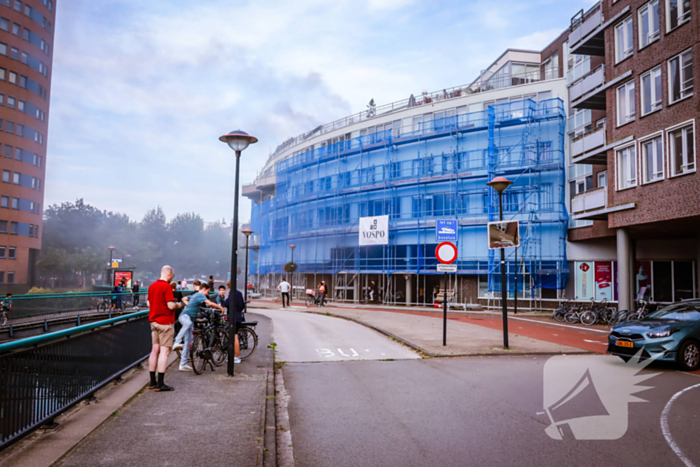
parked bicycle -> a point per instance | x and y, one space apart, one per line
559 314
210 344
393 297
597 313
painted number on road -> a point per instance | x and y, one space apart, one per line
328 353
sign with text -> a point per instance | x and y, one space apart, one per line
447 268
584 280
374 230
603 280
446 231
125 276
503 234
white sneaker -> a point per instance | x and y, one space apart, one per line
236 360
178 346
185 368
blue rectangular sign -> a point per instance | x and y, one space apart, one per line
446 231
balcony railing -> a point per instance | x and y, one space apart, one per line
582 25
590 201
588 142
591 81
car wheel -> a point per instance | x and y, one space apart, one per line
689 355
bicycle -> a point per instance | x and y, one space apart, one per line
393 297
565 307
3 314
598 312
210 344
312 298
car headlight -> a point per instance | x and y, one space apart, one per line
659 334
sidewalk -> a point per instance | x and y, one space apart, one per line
209 419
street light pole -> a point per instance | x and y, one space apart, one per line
111 276
291 274
500 184
247 233
237 140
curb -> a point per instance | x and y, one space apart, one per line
433 355
270 422
285 451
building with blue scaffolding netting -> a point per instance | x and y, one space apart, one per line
417 168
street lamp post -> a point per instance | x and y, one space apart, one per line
237 140
500 184
111 250
247 233
291 274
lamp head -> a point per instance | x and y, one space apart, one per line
292 246
500 184
110 248
238 140
247 232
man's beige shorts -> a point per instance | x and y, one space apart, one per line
162 334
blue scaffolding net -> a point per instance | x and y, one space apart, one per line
417 172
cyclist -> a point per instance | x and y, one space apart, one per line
321 294
194 304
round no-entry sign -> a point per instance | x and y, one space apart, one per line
446 253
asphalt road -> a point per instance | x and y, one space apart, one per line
477 411
304 337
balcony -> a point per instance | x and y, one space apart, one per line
590 148
592 81
593 205
586 37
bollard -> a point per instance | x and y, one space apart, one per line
78 320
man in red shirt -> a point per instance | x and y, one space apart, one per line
161 314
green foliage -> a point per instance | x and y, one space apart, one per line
77 237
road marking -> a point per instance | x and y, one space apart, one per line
557 324
595 342
667 432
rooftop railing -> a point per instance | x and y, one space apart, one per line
423 98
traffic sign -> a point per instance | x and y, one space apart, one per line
446 253
447 268
446 231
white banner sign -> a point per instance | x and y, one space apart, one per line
447 268
374 230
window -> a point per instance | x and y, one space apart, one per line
10 127
4 203
13 77
602 178
15 178
652 159
5 24
681 149
13 228
651 91
16 29
626 168
18 6
677 13
14 53
8 151
10 277
11 102
15 203
625 103
3 252
2 99
648 23
6 175
680 76
624 47
3 72
12 252
3 228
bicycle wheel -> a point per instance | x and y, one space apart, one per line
198 347
220 347
588 318
248 341
102 307
309 301
559 315
572 317
3 319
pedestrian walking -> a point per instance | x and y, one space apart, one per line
161 316
284 290
135 290
322 294
372 291
189 314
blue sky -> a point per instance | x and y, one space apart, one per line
142 90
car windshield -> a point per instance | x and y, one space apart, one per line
678 311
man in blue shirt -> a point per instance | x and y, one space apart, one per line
194 304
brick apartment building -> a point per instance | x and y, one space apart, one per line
26 51
639 193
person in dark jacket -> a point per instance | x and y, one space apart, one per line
239 308
135 290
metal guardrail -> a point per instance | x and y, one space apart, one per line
43 376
